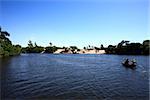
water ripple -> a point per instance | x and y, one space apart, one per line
74 77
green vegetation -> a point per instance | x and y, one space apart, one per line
6 47
32 48
51 49
124 47
89 47
146 47
74 49
39 49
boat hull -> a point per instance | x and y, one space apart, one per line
129 65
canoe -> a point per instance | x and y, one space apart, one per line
129 65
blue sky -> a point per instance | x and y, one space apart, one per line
76 22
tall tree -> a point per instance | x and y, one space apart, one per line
6 47
35 44
89 47
30 44
50 44
4 33
3 36
102 47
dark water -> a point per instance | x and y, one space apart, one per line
88 77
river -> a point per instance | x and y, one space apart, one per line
74 76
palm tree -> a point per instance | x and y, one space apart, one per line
84 48
89 47
3 36
120 44
50 43
35 44
126 42
30 44
102 47
3 33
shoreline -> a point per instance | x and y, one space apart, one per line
81 51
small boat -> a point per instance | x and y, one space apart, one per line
130 64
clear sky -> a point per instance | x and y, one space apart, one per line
75 22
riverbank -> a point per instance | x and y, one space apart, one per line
80 51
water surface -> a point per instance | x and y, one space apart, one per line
68 76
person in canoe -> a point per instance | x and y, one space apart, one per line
128 63
133 62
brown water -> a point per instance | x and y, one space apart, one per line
49 76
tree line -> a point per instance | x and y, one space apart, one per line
34 48
124 47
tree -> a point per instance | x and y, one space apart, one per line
146 47
111 49
50 49
6 47
126 42
4 33
35 44
89 46
146 43
50 43
30 44
133 48
122 43
96 48
3 36
73 47
102 47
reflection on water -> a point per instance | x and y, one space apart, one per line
73 77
